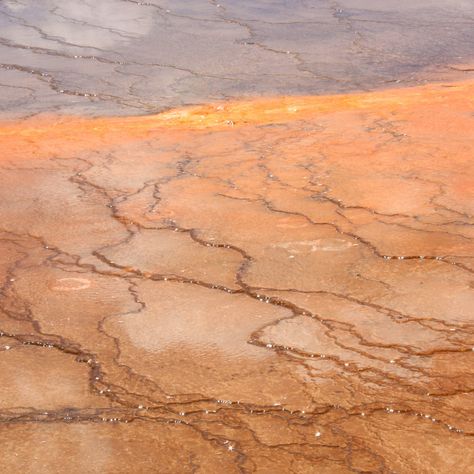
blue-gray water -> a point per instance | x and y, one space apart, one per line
131 57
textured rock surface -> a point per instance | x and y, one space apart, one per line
280 285
240 283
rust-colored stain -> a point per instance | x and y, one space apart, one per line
77 132
283 283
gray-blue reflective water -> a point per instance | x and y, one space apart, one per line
134 57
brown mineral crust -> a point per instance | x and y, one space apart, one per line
140 446
269 285
37 378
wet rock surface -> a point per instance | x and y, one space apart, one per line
271 285
139 57
279 284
